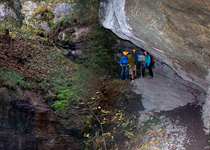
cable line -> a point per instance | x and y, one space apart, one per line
180 83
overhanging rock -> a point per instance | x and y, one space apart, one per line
175 32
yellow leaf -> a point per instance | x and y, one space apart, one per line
104 111
129 134
159 130
152 142
108 134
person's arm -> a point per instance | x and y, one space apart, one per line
128 59
149 60
145 61
137 60
121 61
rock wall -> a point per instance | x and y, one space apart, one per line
206 114
4 11
28 7
62 9
27 123
175 32
166 91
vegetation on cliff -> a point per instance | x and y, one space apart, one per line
84 93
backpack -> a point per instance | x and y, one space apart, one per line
152 61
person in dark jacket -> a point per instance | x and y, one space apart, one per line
124 66
147 64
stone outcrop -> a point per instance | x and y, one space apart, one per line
27 123
167 91
62 9
175 32
28 7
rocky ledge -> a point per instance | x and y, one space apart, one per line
175 32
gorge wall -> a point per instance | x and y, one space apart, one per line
27 122
175 32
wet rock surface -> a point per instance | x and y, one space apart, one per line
26 122
190 117
179 106
178 129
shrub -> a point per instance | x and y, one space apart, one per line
11 80
65 97
99 55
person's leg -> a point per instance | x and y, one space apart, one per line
122 72
135 70
143 71
141 66
131 70
126 73
150 71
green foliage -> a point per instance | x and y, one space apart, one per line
86 12
60 105
99 55
3 27
42 13
56 71
11 80
65 97
61 22
53 2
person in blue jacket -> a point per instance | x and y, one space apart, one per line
147 64
136 61
124 66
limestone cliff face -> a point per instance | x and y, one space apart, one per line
175 32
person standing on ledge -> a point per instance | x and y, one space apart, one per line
147 64
124 66
136 62
131 62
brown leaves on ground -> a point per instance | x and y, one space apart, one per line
33 60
